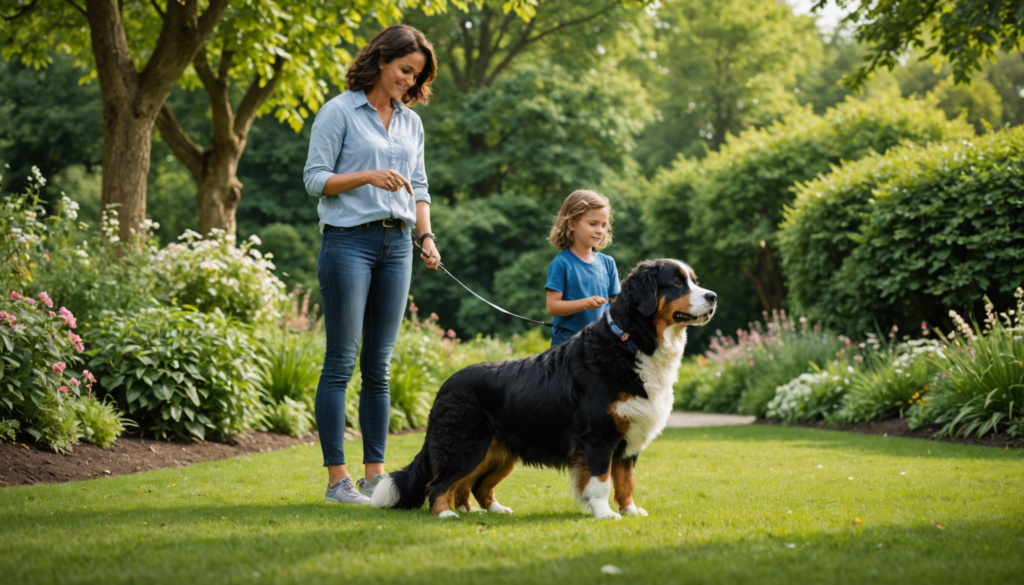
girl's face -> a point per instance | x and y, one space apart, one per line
591 227
398 76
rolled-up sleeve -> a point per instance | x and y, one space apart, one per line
419 172
326 140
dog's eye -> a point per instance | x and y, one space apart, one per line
678 285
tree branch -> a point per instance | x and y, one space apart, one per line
254 99
220 102
516 48
25 9
188 152
569 23
501 31
181 36
157 8
78 8
454 65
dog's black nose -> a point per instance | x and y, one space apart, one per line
710 296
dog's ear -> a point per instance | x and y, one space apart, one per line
642 291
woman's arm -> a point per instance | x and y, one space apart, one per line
558 308
383 179
431 257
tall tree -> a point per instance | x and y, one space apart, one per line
284 55
135 75
966 32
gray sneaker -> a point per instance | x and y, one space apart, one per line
344 492
366 487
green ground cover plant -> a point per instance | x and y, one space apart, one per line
727 505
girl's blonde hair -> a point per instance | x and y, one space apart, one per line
576 204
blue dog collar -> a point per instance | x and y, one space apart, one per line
619 332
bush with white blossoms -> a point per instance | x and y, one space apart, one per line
215 273
811 396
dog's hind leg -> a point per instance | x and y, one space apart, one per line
622 481
483 490
592 490
457 491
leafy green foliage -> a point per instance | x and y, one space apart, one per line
983 390
100 421
9 429
810 397
291 365
289 417
36 347
739 193
892 381
215 274
539 130
741 374
967 32
902 237
178 372
716 68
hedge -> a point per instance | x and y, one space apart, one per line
903 237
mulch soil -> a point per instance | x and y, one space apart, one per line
901 428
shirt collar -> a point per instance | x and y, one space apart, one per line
359 100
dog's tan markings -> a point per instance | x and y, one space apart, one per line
622 481
621 422
579 472
440 504
663 318
484 491
459 491
693 277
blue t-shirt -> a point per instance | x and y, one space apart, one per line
576 280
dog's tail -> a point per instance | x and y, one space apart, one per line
407 487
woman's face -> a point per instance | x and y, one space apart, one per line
398 76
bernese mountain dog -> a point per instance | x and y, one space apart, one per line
590 405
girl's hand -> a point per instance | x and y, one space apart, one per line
593 302
431 257
389 180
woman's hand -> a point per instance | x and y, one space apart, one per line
431 257
388 179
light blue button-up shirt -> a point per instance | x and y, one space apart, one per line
348 136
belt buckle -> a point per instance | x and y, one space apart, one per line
389 222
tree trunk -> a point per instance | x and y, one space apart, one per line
219 189
128 139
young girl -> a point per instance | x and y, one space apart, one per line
581 280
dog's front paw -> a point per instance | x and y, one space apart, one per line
632 510
607 515
499 509
447 514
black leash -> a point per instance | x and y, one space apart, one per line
441 266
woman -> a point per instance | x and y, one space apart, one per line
366 165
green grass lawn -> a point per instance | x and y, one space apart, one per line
741 504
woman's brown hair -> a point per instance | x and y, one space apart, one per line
397 40
576 204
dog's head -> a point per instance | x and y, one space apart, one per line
664 293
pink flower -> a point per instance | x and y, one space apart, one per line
413 308
451 333
14 295
63 389
76 341
88 376
74 382
858 358
751 363
434 316
69 319
3 315
30 300
58 367
52 314
46 299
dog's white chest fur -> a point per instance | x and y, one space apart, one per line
648 416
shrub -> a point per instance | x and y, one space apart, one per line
741 374
289 417
215 274
100 421
983 389
9 429
37 345
900 238
892 380
812 396
178 372
733 200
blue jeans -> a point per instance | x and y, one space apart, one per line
364 275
